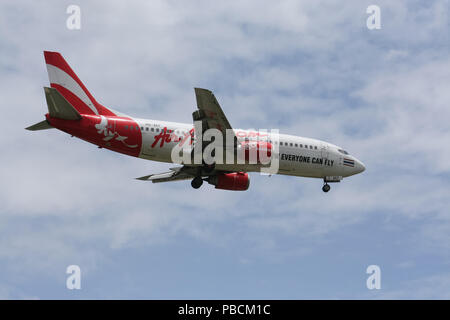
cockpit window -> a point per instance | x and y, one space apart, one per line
342 151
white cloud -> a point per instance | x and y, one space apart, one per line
430 287
311 69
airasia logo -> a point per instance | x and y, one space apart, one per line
168 136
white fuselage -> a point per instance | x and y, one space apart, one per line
298 156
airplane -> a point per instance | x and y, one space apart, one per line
73 110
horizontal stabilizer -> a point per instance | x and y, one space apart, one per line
59 107
43 125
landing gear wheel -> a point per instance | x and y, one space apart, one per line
196 182
326 187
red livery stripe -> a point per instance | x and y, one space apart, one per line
56 59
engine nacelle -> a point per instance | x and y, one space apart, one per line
256 151
236 181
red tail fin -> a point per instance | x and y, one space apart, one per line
63 79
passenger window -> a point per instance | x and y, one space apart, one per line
290 144
152 129
301 145
310 147
157 129
142 128
126 127
296 145
306 146
315 147
281 143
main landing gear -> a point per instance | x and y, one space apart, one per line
197 182
206 168
326 187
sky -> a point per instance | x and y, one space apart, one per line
307 68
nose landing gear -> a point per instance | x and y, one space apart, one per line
326 187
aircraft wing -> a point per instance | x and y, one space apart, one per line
209 111
181 173
175 174
212 116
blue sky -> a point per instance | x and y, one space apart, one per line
309 68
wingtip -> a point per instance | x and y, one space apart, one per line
142 178
201 89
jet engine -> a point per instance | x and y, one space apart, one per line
236 181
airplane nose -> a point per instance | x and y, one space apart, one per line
359 166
